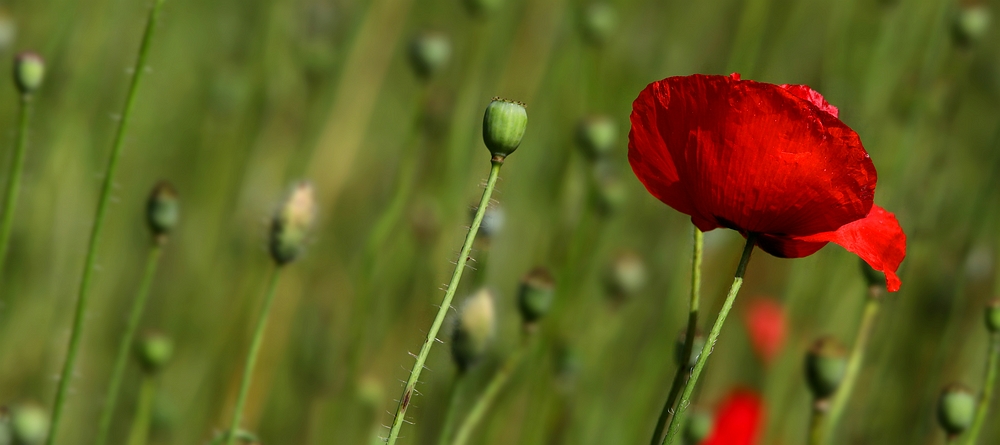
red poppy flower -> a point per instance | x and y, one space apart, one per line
765 320
738 421
768 159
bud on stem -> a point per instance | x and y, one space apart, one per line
29 72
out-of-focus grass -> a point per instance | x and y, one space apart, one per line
245 96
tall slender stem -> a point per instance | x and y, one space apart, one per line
140 423
258 338
692 328
14 180
855 362
102 206
989 385
678 420
138 306
819 410
489 394
456 277
449 417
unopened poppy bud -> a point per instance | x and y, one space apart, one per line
474 329
698 344
971 24
697 427
481 8
291 225
534 298
429 53
29 424
162 209
956 408
154 351
826 364
626 275
503 126
993 316
493 221
873 277
597 135
29 71
599 22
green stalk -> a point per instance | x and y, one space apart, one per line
140 424
683 369
258 338
456 277
102 206
111 399
989 385
819 410
489 394
14 180
449 417
677 421
855 362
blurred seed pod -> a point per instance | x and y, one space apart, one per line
597 135
697 427
956 409
429 53
8 30
567 364
162 210
599 21
493 221
825 366
29 424
504 124
971 24
370 392
482 8
535 296
154 350
29 72
608 191
765 320
625 276
873 278
291 225
474 329
699 343
993 316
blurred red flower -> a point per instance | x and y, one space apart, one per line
738 421
774 160
765 320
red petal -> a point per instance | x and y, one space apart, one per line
750 156
877 238
812 96
739 420
765 320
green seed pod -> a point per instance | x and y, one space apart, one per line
474 329
162 209
626 275
429 53
597 135
872 277
971 24
503 127
608 190
993 316
826 364
370 392
29 72
534 298
482 8
699 343
697 427
956 409
154 351
599 21
29 424
8 30
291 225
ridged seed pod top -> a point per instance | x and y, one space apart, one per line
29 72
503 126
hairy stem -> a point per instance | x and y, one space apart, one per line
14 180
989 385
140 423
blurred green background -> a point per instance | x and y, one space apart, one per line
246 96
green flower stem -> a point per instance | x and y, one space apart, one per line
102 206
989 385
819 410
143 414
258 338
677 422
692 328
14 180
855 361
449 417
111 399
485 400
456 277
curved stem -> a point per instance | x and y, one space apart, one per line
95 233
456 277
449 417
855 362
14 180
678 420
111 399
692 328
258 338
989 385
489 394
140 424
